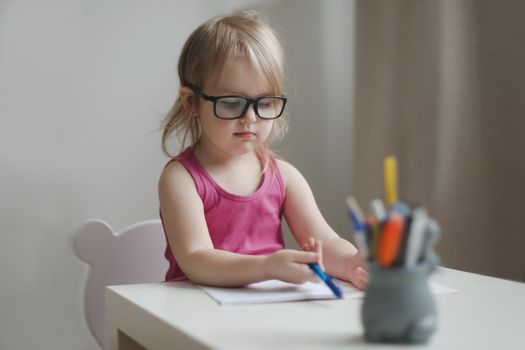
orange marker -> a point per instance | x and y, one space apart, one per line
391 238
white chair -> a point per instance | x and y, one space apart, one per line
133 255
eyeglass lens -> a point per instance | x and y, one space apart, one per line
233 107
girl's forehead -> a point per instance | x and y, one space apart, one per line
240 76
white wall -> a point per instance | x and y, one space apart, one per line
83 87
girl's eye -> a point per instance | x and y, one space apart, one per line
267 103
231 103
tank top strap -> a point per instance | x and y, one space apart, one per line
205 191
276 173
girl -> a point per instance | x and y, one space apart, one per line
222 198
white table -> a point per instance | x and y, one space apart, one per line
487 313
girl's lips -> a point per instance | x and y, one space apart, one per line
245 134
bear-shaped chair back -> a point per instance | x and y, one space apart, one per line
133 255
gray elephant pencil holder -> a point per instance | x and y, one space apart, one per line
399 306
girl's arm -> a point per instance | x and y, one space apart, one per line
189 238
340 258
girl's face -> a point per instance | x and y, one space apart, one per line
238 136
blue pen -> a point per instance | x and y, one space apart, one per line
357 219
327 280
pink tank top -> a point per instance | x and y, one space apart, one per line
241 224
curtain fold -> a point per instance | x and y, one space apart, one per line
441 85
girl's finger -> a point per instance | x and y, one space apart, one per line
361 276
311 276
319 250
318 247
304 256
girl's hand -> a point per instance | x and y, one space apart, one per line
291 266
356 271
357 274
314 246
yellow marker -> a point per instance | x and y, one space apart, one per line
390 166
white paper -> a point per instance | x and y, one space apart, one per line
270 291
273 291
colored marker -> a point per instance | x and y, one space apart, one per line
402 251
375 227
357 219
390 168
378 209
327 280
401 208
391 240
416 238
431 236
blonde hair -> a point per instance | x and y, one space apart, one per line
206 52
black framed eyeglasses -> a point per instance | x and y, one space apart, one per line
234 107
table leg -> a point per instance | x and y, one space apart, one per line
120 341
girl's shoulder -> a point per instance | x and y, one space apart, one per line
288 171
175 169
282 164
175 178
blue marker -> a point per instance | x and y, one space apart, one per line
327 280
357 219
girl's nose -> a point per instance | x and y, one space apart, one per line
250 115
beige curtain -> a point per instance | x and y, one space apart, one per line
441 85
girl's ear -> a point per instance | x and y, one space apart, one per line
189 100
